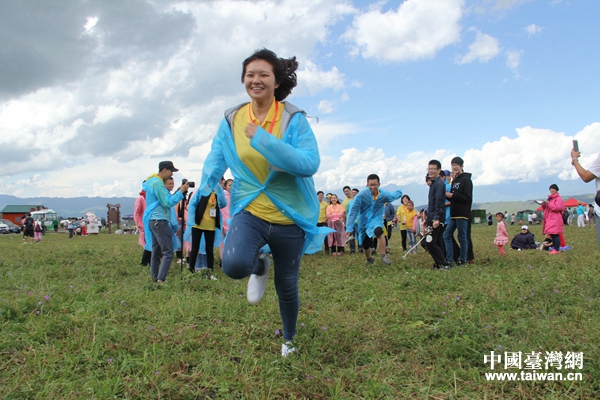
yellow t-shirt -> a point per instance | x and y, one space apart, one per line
401 214
322 212
346 200
208 223
261 206
410 216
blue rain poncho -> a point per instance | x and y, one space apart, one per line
293 160
157 195
369 212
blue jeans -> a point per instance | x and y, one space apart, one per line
162 247
461 224
412 240
247 234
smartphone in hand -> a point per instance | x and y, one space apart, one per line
575 145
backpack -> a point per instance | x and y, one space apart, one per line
28 222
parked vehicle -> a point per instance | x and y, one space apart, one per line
47 217
12 227
4 228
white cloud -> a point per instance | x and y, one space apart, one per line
314 80
483 49
326 106
533 29
533 155
146 67
513 59
416 30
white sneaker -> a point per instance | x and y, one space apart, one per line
287 348
258 283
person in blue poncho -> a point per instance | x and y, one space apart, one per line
272 153
368 207
157 225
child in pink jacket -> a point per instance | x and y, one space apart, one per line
501 239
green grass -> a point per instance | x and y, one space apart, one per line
80 318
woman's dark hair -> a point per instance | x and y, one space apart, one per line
284 70
553 186
500 214
403 196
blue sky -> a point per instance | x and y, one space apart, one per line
94 94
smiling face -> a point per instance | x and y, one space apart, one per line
259 81
553 191
170 184
348 193
373 185
456 170
334 199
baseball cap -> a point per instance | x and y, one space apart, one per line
168 165
525 227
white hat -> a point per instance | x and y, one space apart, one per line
525 227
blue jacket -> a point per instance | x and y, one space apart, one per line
369 212
293 160
159 205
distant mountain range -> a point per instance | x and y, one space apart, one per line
511 197
73 206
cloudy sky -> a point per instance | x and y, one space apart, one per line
93 94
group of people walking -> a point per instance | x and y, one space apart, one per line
270 149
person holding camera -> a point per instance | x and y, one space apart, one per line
156 218
272 153
588 175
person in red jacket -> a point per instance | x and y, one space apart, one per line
553 209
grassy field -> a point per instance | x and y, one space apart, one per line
81 319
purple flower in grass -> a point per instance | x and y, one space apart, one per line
110 360
46 297
150 328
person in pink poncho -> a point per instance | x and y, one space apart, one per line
553 224
335 220
138 213
501 239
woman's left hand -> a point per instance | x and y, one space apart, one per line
251 130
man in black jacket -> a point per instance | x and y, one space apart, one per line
524 240
436 215
461 200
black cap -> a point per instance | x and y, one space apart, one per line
168 165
